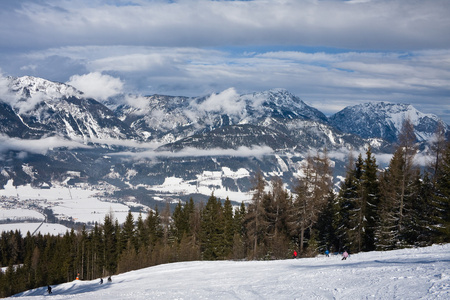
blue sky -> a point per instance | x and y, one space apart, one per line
330 53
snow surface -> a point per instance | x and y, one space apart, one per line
206 183
78 204
421 273
43 228
18 214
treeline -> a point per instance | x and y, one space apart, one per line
398 207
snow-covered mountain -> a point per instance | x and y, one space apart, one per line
167 119
231 120
34 107
170 148
384 120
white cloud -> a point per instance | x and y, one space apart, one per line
393 24
227 102
255 151
328 81
15 100
97 85
139 102
390 50
5 93
40 146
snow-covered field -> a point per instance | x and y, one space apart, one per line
78 204
45 228
422 273
206 183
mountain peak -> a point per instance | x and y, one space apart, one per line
29 86
384 120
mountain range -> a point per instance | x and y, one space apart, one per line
52 133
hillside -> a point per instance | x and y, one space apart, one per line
420 273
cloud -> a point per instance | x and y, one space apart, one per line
138 101
226 102
342 24
330 53
5 94
327 81
40 146
14 99
97 85
255 151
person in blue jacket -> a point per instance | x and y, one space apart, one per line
327 253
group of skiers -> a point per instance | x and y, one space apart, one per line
109 280
49 288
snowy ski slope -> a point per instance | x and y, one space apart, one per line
421 273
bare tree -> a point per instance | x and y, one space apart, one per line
255 220
437 148
311 193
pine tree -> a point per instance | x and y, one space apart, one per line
229 228
212 230
110 252
371 198
356 216
239 249
326 231
180 225
399 188
127 234
364 197
142 239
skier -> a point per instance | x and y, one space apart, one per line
109 279
344 255
294 255
101 280
49 289
327 253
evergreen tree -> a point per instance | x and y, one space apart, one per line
239 249
399 191
127 234
180 224
110 251
371 198
357 218
326 231
142 239
229 228
364 197
154 227
212 230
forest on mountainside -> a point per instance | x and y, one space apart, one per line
400 206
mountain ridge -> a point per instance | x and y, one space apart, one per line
136 148
384 120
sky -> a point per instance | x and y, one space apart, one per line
330 53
